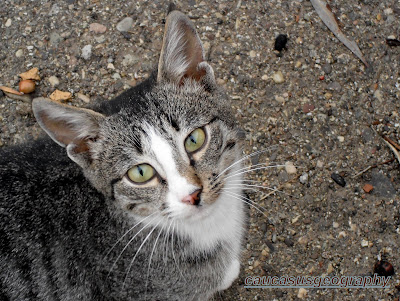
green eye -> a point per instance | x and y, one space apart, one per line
195 140
141 173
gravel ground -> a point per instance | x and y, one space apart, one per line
325 114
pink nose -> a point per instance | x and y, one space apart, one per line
193 198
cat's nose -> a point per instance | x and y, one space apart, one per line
193 198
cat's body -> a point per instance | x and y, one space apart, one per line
81 221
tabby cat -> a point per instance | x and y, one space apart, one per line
138 199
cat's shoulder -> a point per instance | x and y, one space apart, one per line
32 159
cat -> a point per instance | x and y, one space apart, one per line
137 198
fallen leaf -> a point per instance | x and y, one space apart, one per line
58 95
368 188
9 90
31 74
329 19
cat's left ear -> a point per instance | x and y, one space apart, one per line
182 54
69 126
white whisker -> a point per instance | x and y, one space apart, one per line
173 253
165 243
244 158
137 252
151 256
126 233
247 201
258 186
251 170
256 165
126 246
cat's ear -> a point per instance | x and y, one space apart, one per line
70 127
182 54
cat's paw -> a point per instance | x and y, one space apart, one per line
231 274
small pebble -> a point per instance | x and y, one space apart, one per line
294 220
338 179
278 77
340 138
342 234
327 68
335 225
54 81
302 293
87 52
335 86
290 168
83 97
289 242
19 53
55 9
125 24
303 240
130 59
55 39
330 268
279 99
304 178
364 243
8 23
308 107
270 245
252 54
388 11
116 75
378 95
97 28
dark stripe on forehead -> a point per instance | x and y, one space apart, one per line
167 116
215 118
138 146
136 139
174 124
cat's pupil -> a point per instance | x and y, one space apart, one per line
193 140
140 171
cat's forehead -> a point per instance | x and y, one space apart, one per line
164 109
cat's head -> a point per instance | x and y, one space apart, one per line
161 153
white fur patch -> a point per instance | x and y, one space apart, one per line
179 187
208 224
230 275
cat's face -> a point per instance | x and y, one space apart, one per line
154 158
166 153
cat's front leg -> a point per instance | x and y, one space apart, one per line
231 274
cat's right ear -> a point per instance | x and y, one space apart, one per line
69 126
182 54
